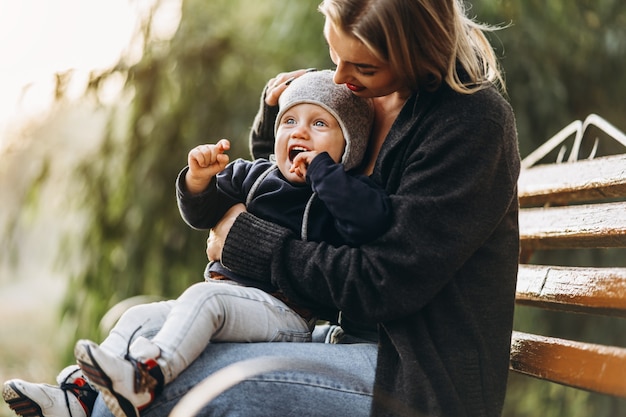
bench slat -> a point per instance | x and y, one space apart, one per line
585 180
587 366
574 289
572 205
583 226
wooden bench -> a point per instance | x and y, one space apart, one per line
568 206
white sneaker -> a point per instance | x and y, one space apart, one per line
127 384
73 397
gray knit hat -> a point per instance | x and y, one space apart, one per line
355 115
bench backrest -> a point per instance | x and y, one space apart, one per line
571 205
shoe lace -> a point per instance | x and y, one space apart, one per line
79 388
143 379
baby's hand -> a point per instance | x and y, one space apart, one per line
205 162
301 163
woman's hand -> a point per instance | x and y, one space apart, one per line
277 85
217 237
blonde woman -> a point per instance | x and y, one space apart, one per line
427 308
431 300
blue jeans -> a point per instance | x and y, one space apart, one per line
341 383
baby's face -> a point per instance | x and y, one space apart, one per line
306 127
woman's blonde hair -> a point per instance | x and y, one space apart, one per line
426 42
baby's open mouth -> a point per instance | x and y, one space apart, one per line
293 152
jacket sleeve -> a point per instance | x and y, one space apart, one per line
196 209
360 208
262 132
451 177
203 211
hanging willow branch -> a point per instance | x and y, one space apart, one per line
198 87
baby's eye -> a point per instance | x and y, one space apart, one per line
290 121
319 123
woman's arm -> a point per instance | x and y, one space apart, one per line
453 192
215 241
262 133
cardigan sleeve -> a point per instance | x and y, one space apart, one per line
262 132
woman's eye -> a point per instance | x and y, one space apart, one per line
366 72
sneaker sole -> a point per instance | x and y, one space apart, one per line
20 403
117 404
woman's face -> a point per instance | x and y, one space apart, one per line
357 67
306 127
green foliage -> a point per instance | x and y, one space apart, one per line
202 85
562 61
527 397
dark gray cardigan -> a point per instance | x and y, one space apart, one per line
440 283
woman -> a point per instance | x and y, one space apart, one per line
431 301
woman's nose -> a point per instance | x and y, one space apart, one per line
341 73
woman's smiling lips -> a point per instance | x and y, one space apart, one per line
355 88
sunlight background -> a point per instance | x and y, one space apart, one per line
38 39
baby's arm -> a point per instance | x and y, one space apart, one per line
205 162
362 209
